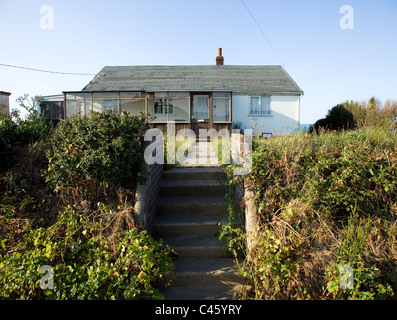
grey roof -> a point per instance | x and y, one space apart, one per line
263 80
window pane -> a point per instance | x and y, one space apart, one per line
103 105
179 109
161 95
133 106
160 106
179 95
156 108
105 95
200 106
265 106
88 107
132 95
78 102
70 108
221 95
254 105
221 110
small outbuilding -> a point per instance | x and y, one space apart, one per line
4 102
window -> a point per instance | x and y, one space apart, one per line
161 106
200 106
221 106
78 103
255 105
260 106
158 106
106 100
179 105
132 102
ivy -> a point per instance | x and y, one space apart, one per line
84 264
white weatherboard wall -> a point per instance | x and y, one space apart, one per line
284 116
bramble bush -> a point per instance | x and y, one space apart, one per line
93 155
104 147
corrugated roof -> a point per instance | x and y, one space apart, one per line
264 80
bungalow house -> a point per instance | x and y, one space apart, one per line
264 98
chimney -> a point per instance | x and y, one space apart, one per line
219 58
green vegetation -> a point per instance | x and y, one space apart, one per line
16 131
67 199
326 202
350 115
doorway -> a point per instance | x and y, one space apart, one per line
201 112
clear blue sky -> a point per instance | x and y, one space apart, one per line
330 64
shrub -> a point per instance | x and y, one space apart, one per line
91 259
34 127
338 118
15 130
90 153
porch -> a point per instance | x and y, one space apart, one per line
188 110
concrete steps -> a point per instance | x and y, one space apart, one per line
196 246
181 224
206 272
190 206
211 173
192 188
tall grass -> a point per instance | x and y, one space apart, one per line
325 201
373 112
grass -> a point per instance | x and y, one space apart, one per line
325 202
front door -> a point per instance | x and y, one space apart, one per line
200 112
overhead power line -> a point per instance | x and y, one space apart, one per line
263 33
46 71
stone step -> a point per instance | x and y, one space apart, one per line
202 293
196 246
214 173
191 205
192 187
195 272
187 224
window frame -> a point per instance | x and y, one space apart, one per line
258 107
222 95
263 108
